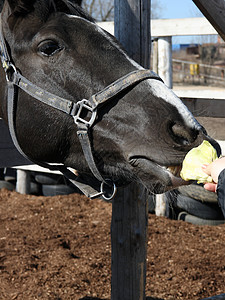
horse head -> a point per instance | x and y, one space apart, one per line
143 133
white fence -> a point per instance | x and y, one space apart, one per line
173 27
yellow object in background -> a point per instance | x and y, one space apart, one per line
194 69
195 158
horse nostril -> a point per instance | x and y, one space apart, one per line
183 135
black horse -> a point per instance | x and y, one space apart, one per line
142 133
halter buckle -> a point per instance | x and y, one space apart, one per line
85 107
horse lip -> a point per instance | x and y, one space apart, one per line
177 180
173 169
172 173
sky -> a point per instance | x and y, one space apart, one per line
174 9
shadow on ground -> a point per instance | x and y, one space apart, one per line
150 298
91 298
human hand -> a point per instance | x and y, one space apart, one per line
213 170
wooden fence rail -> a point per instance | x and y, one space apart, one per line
173 27
196 72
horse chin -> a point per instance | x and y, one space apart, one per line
156 178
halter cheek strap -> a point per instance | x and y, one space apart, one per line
16 81
89 190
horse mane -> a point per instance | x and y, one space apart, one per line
71 7
24 7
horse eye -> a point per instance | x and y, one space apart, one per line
49 48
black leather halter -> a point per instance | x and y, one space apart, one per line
15 80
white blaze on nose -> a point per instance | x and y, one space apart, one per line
160 90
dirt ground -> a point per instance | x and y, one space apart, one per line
58 248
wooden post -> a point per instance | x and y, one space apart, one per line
155 56
23 182
182 72
132 28
129 209
129 244
214 11
165 60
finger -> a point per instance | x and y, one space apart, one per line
210 187
207 169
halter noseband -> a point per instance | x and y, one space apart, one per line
15 80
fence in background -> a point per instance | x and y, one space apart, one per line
192 72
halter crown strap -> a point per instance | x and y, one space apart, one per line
122 84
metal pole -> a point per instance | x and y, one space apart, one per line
165 60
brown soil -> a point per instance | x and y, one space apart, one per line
58 248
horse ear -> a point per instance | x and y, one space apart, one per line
78 2
63 2
1 4
65 5
21 6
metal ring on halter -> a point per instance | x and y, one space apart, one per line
103 192
9 68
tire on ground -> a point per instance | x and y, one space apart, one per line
60 189
35 188
198 221
198 192
199 209
7 185
49 179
